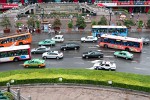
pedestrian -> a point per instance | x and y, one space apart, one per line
132 15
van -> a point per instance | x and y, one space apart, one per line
58 38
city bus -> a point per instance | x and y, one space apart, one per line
17 39
122 43
98 30
15 53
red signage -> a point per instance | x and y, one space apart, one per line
125 3
7 6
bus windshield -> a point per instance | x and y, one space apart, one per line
98 30
17 39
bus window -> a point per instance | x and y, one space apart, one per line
11 53
105 40
135 44
4 54
24 52
112 41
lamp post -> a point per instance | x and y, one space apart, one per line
110 13
42 13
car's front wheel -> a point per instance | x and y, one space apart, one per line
64 49
44 57
86 57
39 66
26 66
57 57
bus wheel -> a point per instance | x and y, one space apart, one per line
126 49
105 46
20 43
16 59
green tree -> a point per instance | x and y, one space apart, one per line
140 24
31 22
18 24
94 23
128 23
103 21
80 23
148 23
5 22
57 23
37 24
70 24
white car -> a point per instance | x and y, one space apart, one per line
89 39
52 54
106 65
40 49
58 38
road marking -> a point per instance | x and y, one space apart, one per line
77 57
90 68
95 61
108 51
92 47
108 56
79 62
134 61
139 68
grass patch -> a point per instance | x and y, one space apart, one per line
80 76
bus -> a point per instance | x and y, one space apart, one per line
17 39
15 53
122 43
98 30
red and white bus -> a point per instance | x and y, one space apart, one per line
15 53
122 43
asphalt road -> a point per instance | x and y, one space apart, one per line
73 59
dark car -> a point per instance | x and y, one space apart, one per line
92 54
146 40
70 46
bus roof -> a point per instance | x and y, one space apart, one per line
14 35
107 26
122 38
11 48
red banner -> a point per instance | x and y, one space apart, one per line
6 6
125 3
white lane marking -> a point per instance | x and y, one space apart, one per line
134 61
77 57
90 68
108 51
139 68
79 62
109 56
92 47
95 61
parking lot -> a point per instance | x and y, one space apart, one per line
73 58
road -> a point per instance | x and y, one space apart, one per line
73 59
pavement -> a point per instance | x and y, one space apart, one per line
74 92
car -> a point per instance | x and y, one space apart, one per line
58 38
34 63
47 42
52 54
40 49
70 46
92 54
89 39
104 65
146 40
123 54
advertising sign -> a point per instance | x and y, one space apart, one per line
139 3
45 27
125 3
6 6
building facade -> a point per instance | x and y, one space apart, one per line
135 6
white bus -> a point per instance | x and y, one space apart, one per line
98 30
15 53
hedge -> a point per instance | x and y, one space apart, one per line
79 76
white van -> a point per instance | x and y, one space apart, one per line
58 38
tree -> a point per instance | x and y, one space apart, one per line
56 23
103 21
94 23
5 22
140 24
37 24
18 24
80 23
128 23
70 24
148 23
31 22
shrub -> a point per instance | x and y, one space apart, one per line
94 23
148 23
128 23
18 24
140 24
70 24
103 21
56 23
37 24
148 11
9 95
5 22
80 23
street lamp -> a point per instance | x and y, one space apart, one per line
110 13
42 13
